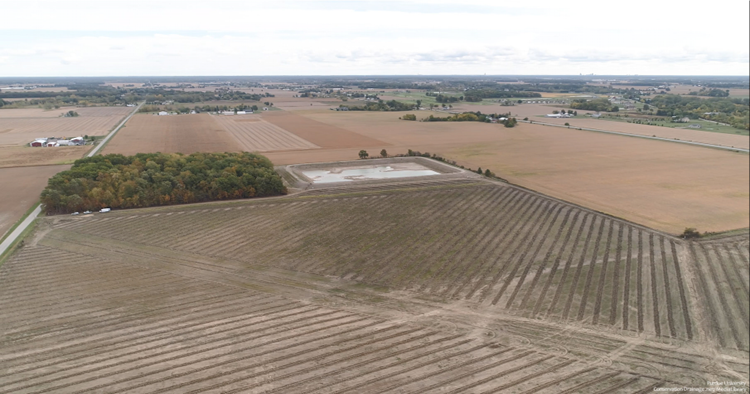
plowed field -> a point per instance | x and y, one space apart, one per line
321 134
172 134
662 185
436 286
20 191
257 135
21 156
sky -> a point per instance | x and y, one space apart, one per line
410 37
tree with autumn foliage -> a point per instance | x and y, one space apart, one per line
149 179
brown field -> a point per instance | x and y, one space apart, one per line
319 133
532 111
21 126
256 135
662 185
172 134
460 285
20 156
20 191
6 113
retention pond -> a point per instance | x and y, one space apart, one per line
360 173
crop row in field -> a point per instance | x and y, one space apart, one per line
722 276
499 246
257 135
92 324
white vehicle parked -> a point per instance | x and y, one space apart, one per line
103 210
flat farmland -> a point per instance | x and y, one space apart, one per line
533 112
21 126
172 134
285 100
21 191
256 135
662 185
21 156
435 286
321 134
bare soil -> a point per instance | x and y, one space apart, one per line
319 133
21 156
362 289
532 111
186 134
20 191
662 185
257 135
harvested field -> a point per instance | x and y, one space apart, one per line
20 156
19 128
283 296
172 134
321 134
721 270
33 112
659 184
532 111
256 135
20 191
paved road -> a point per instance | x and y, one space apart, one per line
733 149
112 133
17 232
30 219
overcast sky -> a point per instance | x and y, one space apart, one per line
465 37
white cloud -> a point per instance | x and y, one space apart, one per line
344 37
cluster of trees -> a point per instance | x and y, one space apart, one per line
472 117
562 111
70 114
440 98
600 104
510 122
711 93
474 95
181 109
157 96
394 85
732 111
149 179
409 117
464 117
380 105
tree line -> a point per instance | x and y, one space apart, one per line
380 105
601 105
150 179
732 111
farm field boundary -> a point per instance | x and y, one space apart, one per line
321 134
256 135
113 132
675 140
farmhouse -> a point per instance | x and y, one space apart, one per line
163 113
55 142
39 142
